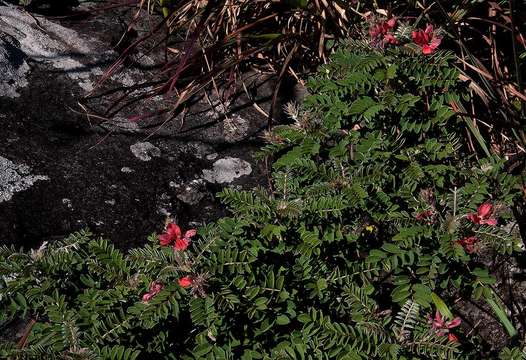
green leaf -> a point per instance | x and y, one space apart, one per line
360 105
270 231
503 318
201 350
268 36
392 248
304 318
475 131
282 320
321 284
391 71
301 4
441 306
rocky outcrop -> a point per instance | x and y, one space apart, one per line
61 170
37 39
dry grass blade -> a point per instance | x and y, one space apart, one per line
278 85
225 33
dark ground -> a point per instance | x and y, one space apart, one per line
86 186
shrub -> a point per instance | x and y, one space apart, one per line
377 215
218 40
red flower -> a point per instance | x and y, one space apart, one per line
380 32
185 281
442 327
452 338
155 288
426 39
468 243
190 233
391 23
483 215
390 39
173 233
426 216
181 244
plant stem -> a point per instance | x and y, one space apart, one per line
516 56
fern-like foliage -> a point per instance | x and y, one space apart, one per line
343 257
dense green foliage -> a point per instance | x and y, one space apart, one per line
334 261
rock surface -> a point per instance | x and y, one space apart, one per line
227 170
15 178
61 171
145 151
47 42
13 66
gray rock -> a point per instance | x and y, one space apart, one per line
206 118
211 156
13 66
235 128
227 170
78 57
15 178
164 204
49 42
122 125
63 65
191 193
83 58
127 170
145 151
68 203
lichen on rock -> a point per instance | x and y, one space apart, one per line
15 178
227 170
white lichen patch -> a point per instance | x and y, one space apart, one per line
235 128
68 203
15 178
48 42
145 151
227 170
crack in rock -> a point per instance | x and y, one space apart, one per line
15 178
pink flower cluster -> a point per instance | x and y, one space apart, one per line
427 216
186 281
483 216
442 327
468 243
427 39
155 288
382 32
172 235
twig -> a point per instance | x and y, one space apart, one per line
27 330
516 55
